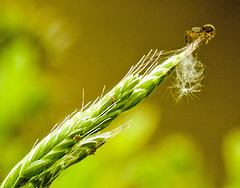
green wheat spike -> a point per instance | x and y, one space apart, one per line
76 137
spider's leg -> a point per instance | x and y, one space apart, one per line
186 36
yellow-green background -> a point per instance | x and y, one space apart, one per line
71 45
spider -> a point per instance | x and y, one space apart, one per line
207 32
77 137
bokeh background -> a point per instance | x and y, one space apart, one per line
51 50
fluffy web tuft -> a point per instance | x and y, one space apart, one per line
189 74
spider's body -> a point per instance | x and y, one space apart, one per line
207 32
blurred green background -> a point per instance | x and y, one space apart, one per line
51 50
